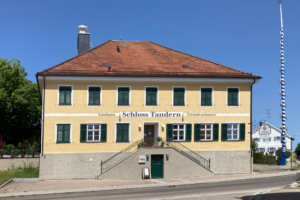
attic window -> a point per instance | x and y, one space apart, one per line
185 66
106 65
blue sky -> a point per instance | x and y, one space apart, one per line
237 33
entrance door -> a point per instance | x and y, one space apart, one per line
149 135
157 166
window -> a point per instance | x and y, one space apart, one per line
206 132
272 149
63 133
256 139
178 96
65 93
151 96
267 139
122 133
178 132
233 95
206 96
261 150
93 133
123 96
94 95
277 138
232 131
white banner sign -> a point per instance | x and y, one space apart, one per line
265 130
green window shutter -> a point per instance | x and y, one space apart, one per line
206 96
125 132
65 95
169 132
103 132
188 132
148 97
151 94
233 96
197 131
216 132
94 95
123 96
242 131
61 96
68 95
60 133
119 132
224 132
83 132
178 98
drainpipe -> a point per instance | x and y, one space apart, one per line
43 117
251 150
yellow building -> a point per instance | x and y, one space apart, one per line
127 105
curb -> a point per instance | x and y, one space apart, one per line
25 179
125 187
6 183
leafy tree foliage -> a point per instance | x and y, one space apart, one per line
279 152
254 146
19 103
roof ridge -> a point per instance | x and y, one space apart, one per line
203 59
92 49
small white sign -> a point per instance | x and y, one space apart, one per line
146 171
142 159
265 130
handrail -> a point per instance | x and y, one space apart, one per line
105 165
189 153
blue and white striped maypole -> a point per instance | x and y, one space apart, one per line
282 92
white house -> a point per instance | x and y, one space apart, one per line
268 138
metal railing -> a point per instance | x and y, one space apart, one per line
110 162
189 153
19 153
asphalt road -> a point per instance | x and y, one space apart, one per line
223 190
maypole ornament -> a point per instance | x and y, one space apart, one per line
282 91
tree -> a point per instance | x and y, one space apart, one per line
19 103
279 152
254 146
297 150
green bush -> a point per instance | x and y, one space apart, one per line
9 147
260 158
26 144
20 145
35 145
278 154
17 152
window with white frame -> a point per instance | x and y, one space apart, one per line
178 132
232 131
93 132
277 138
261 150
272 149
206 131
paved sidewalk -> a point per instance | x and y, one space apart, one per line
69 186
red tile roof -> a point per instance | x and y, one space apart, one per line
141 59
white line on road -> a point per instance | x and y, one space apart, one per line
214 194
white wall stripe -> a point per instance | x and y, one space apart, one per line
118 114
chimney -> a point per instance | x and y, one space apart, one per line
83 41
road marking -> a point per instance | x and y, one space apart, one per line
179 179
214 194
157 181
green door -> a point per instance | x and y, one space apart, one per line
157 166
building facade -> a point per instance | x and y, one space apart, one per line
109 106
270 142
